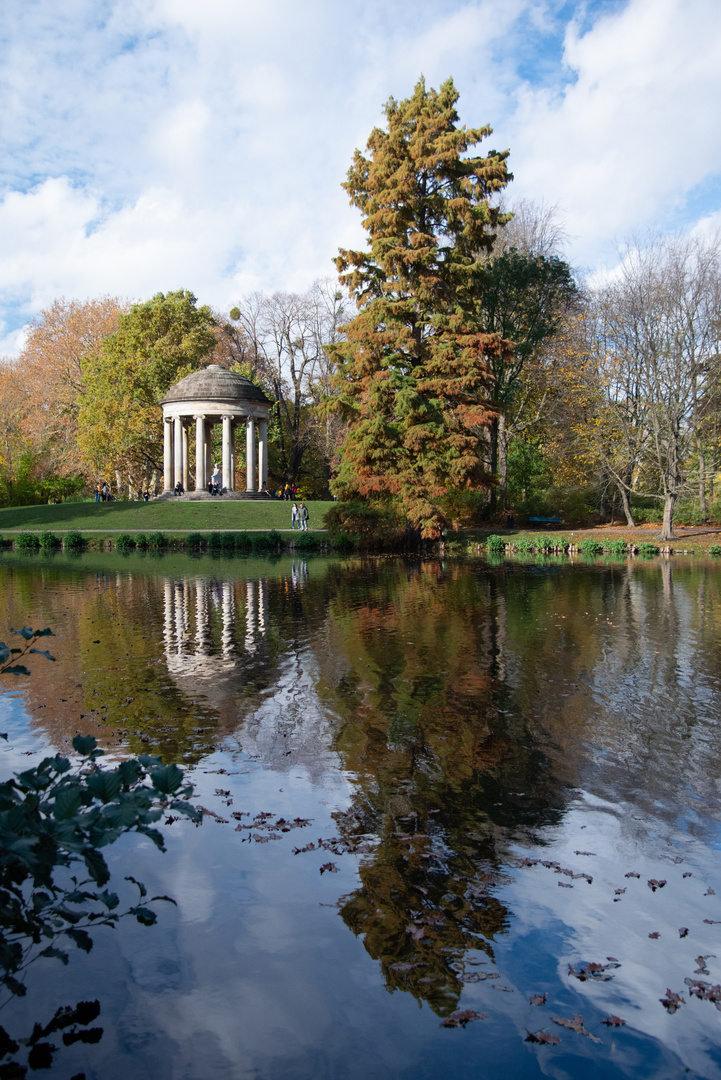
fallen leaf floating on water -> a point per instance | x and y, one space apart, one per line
712 922
687 873
710 892
330 867
620 892
593 971
653 884
576 1024
401 965
564 885
506 989
460 1019
655 935
705 991
701 961
537 999
632 873
672 1001
542 1037
613 1021
683 931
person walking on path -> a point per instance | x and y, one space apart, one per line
303 515
294 517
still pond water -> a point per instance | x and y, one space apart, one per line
495 761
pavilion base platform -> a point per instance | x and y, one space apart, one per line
205 496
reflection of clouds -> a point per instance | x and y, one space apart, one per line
590 923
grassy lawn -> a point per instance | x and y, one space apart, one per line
156 516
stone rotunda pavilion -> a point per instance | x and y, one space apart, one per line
203 399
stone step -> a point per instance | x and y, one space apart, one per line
204 496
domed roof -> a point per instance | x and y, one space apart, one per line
214 383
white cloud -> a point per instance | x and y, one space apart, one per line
153 145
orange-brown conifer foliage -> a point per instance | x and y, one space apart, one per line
412 371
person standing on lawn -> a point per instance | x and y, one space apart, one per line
294 517
303 515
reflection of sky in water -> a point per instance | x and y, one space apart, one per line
467 718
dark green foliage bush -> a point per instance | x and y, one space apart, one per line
715 550
589 546
194 541
141 541
27 541
49 541
275 538
261 541
524 544
72 541
495 543
617 547
343 542
156 541
368 525
124 542
647 549
305 541
227 542
214 542
242 541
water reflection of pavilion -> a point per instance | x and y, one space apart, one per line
212 627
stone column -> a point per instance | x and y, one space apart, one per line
186 457
250 454
232 456
167 455
262 454
208 450
227 439
178 454
200 453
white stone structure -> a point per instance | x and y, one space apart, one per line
201 400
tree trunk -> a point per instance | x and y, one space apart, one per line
667 532
626 503
702 484
502 462
493 438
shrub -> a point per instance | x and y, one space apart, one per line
715 549
369 525
141 541
27 541
647 549
156 541
306 542
343 542
261 541
72 541
227 542
49 541
194 541
589 546
617 547
275 538
214 542
496 543
524 544
242 541
123 542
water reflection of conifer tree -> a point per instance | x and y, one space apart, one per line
445 771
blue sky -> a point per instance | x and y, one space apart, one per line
157 144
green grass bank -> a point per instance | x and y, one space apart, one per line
171 516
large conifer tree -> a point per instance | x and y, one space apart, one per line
413 370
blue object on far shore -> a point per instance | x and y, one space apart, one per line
548 521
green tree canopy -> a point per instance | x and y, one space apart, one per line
156 344
413 368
